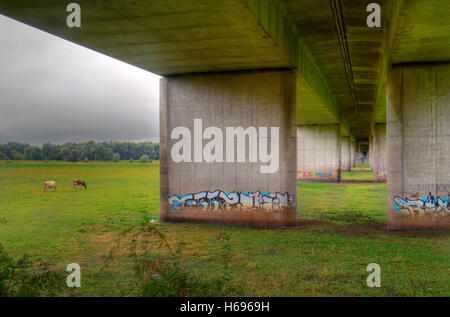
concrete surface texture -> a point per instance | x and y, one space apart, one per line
229 188
418 138
319 152
346 154
353 153
379 153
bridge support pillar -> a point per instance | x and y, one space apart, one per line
346 154
353 154
418 138
379 153
319 152
228 148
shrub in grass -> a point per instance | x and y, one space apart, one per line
116 157
167 274
27 277
145 159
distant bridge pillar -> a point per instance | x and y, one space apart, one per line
379 152
346 154
418 144
319 152
228 148
353 153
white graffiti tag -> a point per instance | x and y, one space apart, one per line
219 200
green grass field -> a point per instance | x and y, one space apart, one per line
341 229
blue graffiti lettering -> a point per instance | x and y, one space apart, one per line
219 200
427 203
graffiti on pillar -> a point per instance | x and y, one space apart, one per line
317 175
220 200
426 204
345 167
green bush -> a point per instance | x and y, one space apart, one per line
27 277
116 157
168 276
145 159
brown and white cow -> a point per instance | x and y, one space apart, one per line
79 182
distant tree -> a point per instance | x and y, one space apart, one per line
156 150
116 157
36 153
48 150
109 155
144 159
102 153
11 148
27 153
33 153
74 152
89 149
17 155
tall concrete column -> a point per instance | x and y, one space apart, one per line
353 153
379 152
346 154
418 144
319 152
228 148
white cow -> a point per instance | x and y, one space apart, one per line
49 184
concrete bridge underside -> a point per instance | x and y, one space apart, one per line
339 66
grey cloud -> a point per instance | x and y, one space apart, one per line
54 90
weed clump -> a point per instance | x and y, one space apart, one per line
167 274
27 277
145 159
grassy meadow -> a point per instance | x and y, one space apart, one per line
341 229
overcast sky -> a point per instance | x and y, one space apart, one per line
54 90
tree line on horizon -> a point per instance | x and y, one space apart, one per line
86 151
